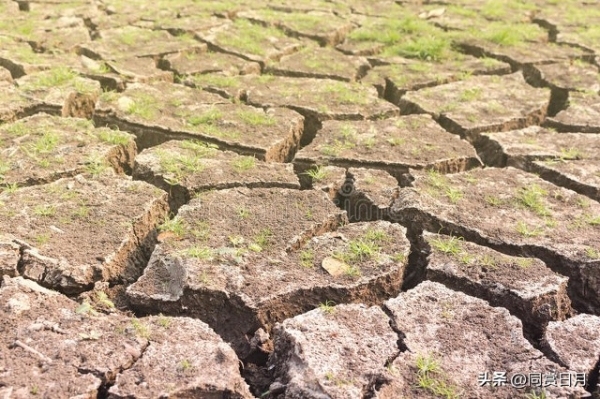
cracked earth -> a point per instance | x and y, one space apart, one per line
299 199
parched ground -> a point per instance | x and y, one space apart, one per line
299 199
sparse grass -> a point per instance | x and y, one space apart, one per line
198 252
361 250
527 231
437 180
428 48
256 118
114 137
344 93
55 77
250 38
175 226
82 211
243 213
470 94
141 329
208 80
524 262
45 144
487 260
532 197
377 235
144 105
493 200
570 153
244 163
263 238
8 188
185 365
103 299
508 35
328 307
454 194
44 210
96 165
307 258
592 220
394 142
592 253
209 117
430 378
163 321
316 174
451 245
42 239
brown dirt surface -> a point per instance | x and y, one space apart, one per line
581 115
245 167
43 148
519 213
227 248
481 104
525 286
341 351
442 329
394 145
186 168
272 135
76 231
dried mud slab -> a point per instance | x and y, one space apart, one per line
14 104
69 349
325 178
76 231
334 352
512 43
61 91
261 264
116 74
320 62
326 28
186 168
203 62
575 342
63 349
320 99
9 256
43 148
569 76
395 76
563 78
524 215
159 112
252 42
20 59
138 42
519 148
5 76
524 286
394 145
185 358
442 328
481 104
367 194
582 176
582 114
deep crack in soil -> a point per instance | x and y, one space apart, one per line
349 199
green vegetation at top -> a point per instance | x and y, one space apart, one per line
410 37
431 378
248 37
